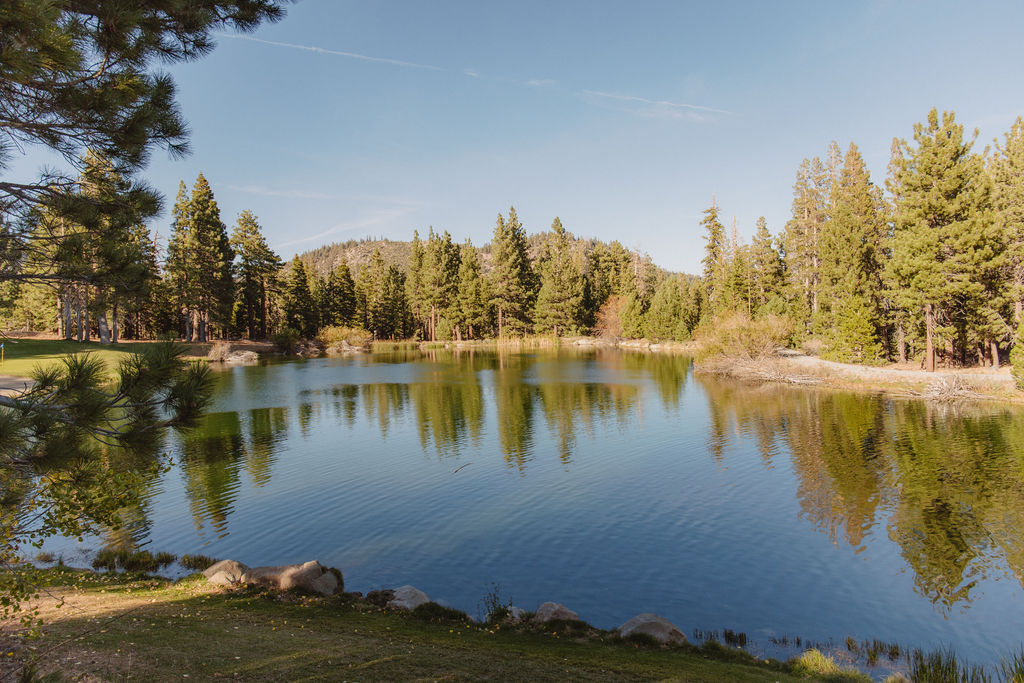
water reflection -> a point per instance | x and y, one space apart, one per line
214 455
945 483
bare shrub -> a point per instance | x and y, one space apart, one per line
349 335
737 336
219 352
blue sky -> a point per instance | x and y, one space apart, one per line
351 119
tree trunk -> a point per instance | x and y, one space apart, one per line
69 331
901 343
78 315
499 323
114 332
929 350
981 355
995 354
104 329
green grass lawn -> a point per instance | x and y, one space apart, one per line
115 629
22 355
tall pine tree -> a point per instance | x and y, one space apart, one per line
947 241
511 279
559 307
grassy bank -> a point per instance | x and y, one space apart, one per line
113 627
21 355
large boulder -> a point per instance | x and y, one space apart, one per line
242 357
553 610
225 573
310 576
649 624
407 597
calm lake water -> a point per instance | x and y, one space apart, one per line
614 483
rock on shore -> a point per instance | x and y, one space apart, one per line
649 624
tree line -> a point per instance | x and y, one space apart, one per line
930 268
215 283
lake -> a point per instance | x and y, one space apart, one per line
615 483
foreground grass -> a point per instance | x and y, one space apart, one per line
114 628
21 356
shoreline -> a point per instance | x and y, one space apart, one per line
147 619
786 366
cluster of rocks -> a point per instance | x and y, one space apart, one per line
316 578
343 348
309 576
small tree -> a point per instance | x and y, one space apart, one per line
1017 356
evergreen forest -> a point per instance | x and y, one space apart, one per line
925 267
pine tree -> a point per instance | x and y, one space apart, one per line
439 277
257 268
767 265
715 257
414 284
947 241
1007 171
668 317
800 238
851 260
395 317
560 299
181 269
200 261
633 316
297 301
340 298
469 312
511 280
1017 356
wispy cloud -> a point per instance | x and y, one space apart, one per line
651 108
656 103
336 53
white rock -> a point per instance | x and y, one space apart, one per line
307 576
553 610
515 613
659 628
407 597
225 573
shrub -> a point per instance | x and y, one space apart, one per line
131 560
735 335
353 336
1012 667
495 608
219 351
435 613
286 339
1017 356
942 666
814 663
197 562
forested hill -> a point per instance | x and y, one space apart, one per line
357 253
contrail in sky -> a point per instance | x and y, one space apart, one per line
660 103
474 74
337 53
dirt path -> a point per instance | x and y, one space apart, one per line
988 378
13 384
